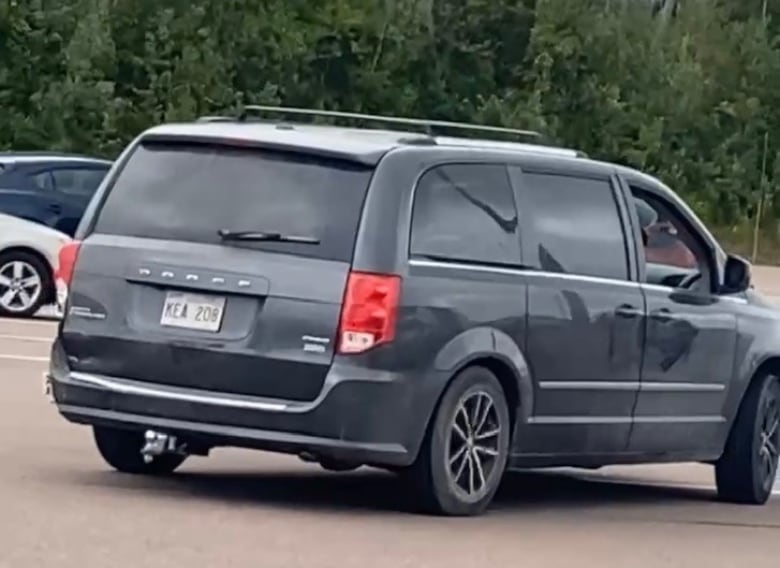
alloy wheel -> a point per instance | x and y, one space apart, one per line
473 445
20 286
769 435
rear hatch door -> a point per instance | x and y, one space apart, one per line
217 267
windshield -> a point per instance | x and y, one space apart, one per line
191 192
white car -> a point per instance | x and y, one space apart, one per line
28 259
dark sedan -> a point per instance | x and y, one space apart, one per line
47 188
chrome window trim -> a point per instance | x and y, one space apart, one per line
533 273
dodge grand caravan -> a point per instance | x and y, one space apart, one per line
445 308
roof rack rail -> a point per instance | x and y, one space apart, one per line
216 119
428 125
500 144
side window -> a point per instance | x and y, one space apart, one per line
43 181
671 251
80 182
466 213
577 226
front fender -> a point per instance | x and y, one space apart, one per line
758 348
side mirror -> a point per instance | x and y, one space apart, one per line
736 275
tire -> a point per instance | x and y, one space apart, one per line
438 488
746 471
32 268
121 449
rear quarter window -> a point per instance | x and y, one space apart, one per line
465 213
189 192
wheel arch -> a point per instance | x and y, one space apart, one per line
506 377
768 364
499 353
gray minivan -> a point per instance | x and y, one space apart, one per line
445 308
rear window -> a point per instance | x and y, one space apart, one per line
189 192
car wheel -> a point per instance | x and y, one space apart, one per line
464 454
746 472
25 284
121 449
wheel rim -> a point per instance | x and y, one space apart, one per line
769 437
20 286
473 445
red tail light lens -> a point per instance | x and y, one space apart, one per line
369 312
67 261
63 276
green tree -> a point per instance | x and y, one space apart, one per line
688 90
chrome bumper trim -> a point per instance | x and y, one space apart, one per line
123 387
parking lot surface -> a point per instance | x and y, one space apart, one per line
61 506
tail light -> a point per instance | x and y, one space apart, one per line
66 262
369 311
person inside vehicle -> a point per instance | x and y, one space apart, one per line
662 245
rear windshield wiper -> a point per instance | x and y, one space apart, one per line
264 236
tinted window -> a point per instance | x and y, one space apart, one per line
466 213
82 182
577 226
191 191
43 180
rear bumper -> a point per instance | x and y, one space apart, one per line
375 420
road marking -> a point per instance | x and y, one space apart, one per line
31 322
29 358
26 338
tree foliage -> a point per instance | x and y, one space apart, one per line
686 89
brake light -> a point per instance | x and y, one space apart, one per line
66 262
369 311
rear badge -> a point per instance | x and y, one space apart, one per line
312 344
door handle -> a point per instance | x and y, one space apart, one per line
55 208
627 311
663 315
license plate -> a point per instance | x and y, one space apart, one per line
193 311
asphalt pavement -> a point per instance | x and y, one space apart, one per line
61 506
